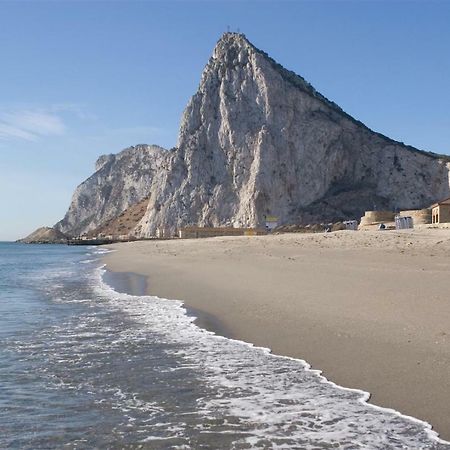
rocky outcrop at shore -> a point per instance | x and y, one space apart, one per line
258 140
45 235
119 182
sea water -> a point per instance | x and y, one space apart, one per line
84 366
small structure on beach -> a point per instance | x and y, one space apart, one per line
403 219
163 233
403 222
271 222
351 224
205 232
373 219
418 216
440 211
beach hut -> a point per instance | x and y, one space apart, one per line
373 219
419 216
440 211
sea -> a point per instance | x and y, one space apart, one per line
88 361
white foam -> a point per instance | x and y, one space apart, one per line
102 251
95 252
275 398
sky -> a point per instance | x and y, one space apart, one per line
83 78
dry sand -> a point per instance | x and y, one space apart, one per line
370 309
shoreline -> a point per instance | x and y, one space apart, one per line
136 284
356 343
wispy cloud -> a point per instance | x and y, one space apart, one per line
30 124
76 109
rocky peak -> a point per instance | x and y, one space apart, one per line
103 160
256 139
234 50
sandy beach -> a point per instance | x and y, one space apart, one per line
370 309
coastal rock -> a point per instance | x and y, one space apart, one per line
45 235
120 181
257 140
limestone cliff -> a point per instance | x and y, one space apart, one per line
257 139
120 181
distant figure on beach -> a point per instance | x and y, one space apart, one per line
382 226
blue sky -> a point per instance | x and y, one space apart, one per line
82 78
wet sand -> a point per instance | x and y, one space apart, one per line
370 309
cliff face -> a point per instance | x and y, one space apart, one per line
120 181
257 139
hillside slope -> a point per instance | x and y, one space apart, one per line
45 235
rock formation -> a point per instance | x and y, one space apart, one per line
257 140
119 182
45 235
125 224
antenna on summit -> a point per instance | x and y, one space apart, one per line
228 28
